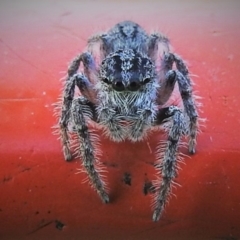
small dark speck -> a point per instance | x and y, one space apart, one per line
26 169
64 14
148 187
113 165
49 212
127 178
59 225
37 212
6 179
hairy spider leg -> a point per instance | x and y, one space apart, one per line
86 150
78 109
86 89
186 91
167 157
180 75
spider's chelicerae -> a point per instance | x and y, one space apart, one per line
126 80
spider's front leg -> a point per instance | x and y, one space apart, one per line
181 76
80 107
68 95
185 87
168 156
84 85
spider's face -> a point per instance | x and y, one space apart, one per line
127 70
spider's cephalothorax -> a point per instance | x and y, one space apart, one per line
127 78
126 94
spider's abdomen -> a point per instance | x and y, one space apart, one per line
126 35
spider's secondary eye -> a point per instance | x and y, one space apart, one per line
106 80
146 80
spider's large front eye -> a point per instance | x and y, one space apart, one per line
146 80
106 80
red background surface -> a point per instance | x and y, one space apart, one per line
38 188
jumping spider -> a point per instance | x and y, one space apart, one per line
125 82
